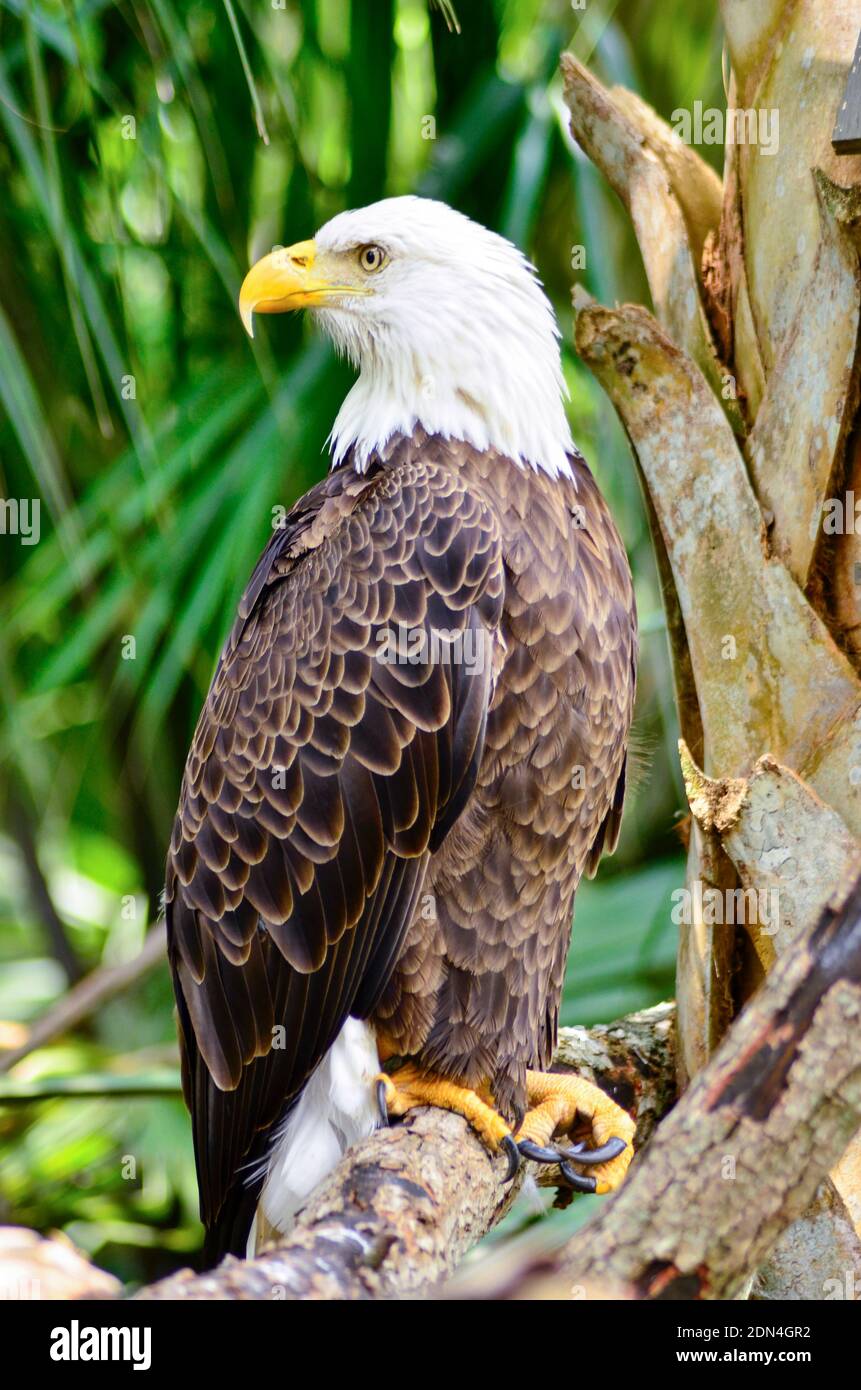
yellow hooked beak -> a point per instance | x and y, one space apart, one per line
289 278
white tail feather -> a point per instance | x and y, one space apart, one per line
337 1108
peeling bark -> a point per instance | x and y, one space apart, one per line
789 846
672 197
757 649
790 57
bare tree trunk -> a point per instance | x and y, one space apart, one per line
740 399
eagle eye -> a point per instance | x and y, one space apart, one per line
372 258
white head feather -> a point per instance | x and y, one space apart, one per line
458 337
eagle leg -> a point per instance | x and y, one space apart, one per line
556 1102
408 1088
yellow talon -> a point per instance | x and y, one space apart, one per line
408 1088
556 1099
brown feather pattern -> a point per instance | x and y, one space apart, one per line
398 841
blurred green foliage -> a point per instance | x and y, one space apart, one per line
148 152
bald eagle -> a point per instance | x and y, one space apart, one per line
413 746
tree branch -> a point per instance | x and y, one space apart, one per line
403 1208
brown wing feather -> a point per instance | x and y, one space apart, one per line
319 780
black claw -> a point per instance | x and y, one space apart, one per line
577 1153
536 1153
576 1180
580 1154
381 1102
509 1146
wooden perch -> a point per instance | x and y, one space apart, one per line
404 1207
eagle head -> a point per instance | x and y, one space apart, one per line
446 322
